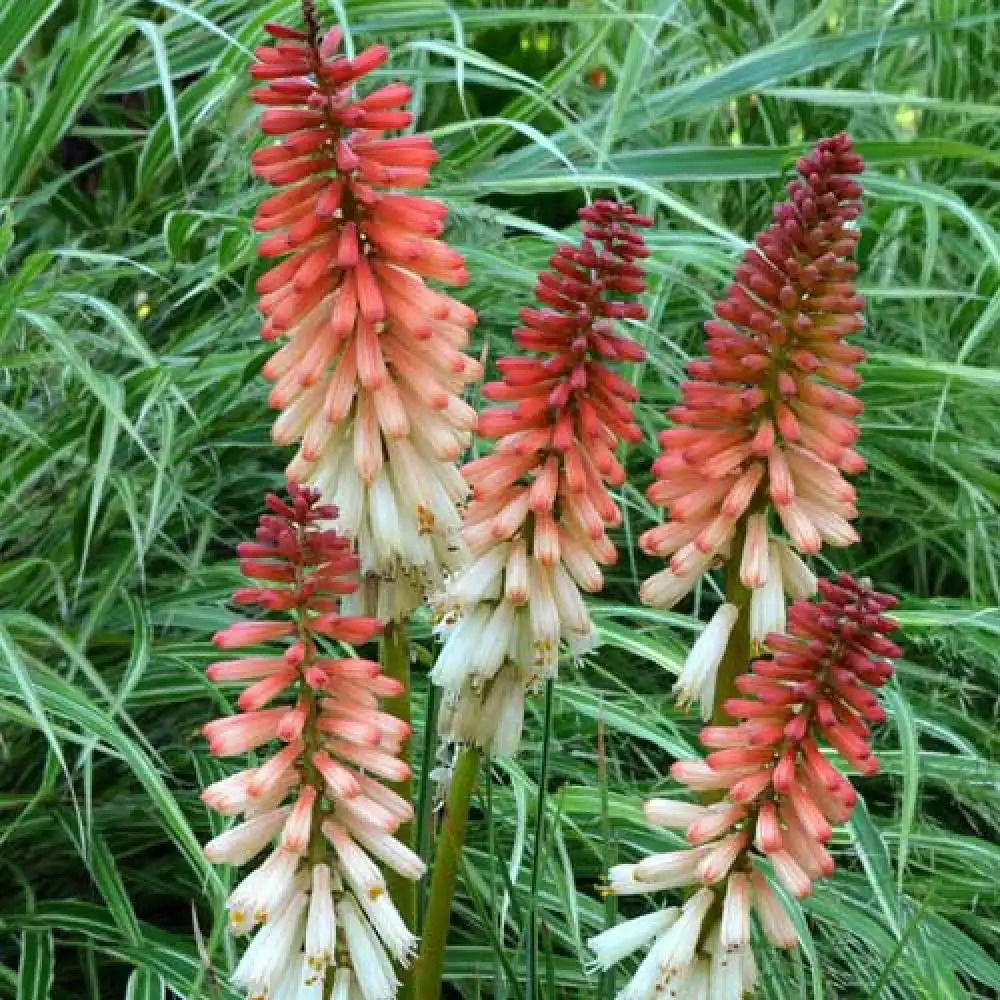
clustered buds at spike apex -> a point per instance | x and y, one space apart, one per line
768 418
371 373
780 797
536 524
320 899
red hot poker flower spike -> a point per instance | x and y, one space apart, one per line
317 802
540 505
780 798
815 688
371 372
767 419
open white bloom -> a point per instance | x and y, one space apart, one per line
767 603
369 961
321 924
797 578
298 983
241 843
263 892
686 960
618 942
272 951
501 620
675 935
732 971
697 679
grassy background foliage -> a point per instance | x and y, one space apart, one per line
135 450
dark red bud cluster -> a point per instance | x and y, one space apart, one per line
306 568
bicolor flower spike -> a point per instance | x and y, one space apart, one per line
370 375
541 507
765 430
773 799
315 802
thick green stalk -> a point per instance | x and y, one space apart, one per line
437 919
396 664
736 659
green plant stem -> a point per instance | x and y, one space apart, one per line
537 860
430 962
396 664
736 659
424 824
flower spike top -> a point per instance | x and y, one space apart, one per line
767 419
370 375
319 900
773 795
536 524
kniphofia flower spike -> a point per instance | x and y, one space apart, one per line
765 430
315 801
536 524
370 375
775 797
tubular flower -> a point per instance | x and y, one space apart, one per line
536 524
766 424
370 375
776 796
319 900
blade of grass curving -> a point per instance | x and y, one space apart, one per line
36 968
145 984
906 727
19 23
153 35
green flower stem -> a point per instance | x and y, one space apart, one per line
430 961
537 860
736 659
396 664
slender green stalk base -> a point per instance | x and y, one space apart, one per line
396 664
437 918
737 657
538 860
